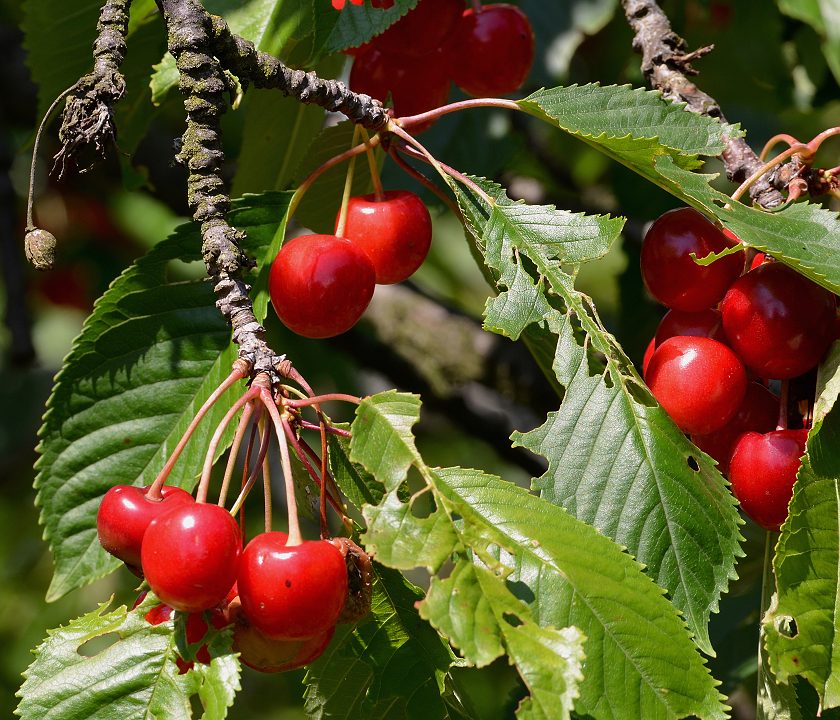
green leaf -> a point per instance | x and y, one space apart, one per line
564 570
802 627
354 25
822 15
804 236
390 666
147 358
478 613
131 673
382 441
631 125
616 460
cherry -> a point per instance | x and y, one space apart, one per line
703 323
779 322
670 274
422 30
492 50
191 556
700 382
758 412
651 346
763 471
292 592
395 232
320 285
414 84
268 655
124 514
759 259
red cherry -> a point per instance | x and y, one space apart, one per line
759 259
395 232
758 413
124 514
270 655
779 322
492 50
320 285
191 556
670 274
292 592
414 84
700 382
651 346
762 472
422 30
704 323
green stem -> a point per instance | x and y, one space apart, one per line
348 187
378 192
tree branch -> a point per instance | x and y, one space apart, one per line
666 66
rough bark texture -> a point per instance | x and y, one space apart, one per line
666 66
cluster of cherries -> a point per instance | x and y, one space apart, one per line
486 51
321 284
283 599
727 335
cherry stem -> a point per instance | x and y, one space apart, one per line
446 170
773 141
204 483
423 180
341 432
266 473
244 421
291 500
30 197
815 142
781 157
265 441
410 121
323 496
328 165
240 370
332 490
348 186
245 467
318 399
782 422
378 192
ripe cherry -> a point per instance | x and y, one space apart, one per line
320 285
763 471
422 30
649 350
191 556
292 592
268 655
758 412
395 232
124 514
670 274
414 84
779 322
492 50
700 382
703 323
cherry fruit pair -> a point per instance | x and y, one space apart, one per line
321 284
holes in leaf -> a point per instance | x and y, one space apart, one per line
786 626
423 504
511 619
692 463
96 645
521 591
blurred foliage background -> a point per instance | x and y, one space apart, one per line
768 73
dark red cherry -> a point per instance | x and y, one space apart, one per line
124 514
703 323
191 556
779 322
395 232
700 382
492 50
670 274
421 31
414 84
758 412
269 655
320 285
292 592
763 471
